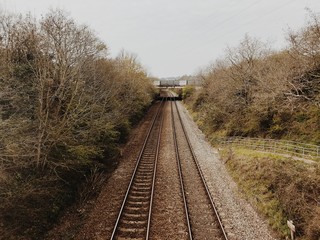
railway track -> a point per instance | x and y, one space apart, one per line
202 218
134 217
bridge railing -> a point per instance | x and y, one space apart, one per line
293 148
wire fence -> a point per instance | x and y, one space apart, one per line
302 150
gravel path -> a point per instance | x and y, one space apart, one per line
238 216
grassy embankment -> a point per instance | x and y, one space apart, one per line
280 188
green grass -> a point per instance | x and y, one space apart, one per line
280 188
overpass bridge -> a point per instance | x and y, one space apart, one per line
174 83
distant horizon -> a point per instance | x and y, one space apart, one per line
176 38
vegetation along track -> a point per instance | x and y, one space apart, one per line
134 217
201 214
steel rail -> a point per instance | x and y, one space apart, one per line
201 175
180 174
135 170
154 176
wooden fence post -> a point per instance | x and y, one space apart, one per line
292 228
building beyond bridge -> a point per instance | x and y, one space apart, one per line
170 82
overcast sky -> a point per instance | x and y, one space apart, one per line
176 37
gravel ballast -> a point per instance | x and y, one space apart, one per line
168 216
239 218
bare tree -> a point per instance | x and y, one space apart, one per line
244 65
305 50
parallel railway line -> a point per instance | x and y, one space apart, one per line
202 217
135 216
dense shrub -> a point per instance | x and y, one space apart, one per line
254 91
65 107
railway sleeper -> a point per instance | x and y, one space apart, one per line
145 170
144 173
150 152
142 188
142 185
144 182
150 148
146 166
134 225
142 178
138 204
139 193
139 198
141 172
137 232
130 223
136 210
135 216
147 160
149 155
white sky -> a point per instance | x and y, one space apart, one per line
176 37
